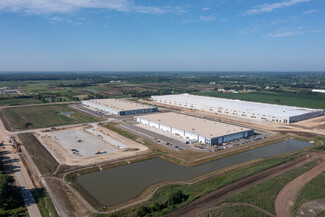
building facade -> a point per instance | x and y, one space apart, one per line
118 107
243 109
194 129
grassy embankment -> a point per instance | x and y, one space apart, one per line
234 211
44 203
21 118
315 189
268 190
290 99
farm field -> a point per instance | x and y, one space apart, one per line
19 101
307 101
32 117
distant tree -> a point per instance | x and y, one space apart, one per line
28 124
5 181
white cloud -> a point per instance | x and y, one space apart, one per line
65 6
283 34
310 12
205 9
265 8
207 18
200 19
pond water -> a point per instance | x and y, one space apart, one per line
120 184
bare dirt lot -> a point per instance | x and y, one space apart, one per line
88 141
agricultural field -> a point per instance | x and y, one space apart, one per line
18 101
281 98
31 117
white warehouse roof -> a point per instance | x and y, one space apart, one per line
119 104
199 126
244 106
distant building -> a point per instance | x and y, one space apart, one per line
318 91
118 106
194 129
243 109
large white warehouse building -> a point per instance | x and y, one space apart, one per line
243 109
118 106
193 128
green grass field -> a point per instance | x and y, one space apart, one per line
32 117
308 101
315 189
234 211
21 101
268 190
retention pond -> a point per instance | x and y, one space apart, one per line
120 184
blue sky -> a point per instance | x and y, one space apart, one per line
162 35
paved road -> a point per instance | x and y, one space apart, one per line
22 180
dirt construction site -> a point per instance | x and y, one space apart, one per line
86 145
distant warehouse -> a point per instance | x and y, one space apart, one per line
193 128
118 106
252 110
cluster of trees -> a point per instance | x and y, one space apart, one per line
174 198
54 97
147 93
15 97
10 197
82 84
97 96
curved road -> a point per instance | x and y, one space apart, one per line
288 195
